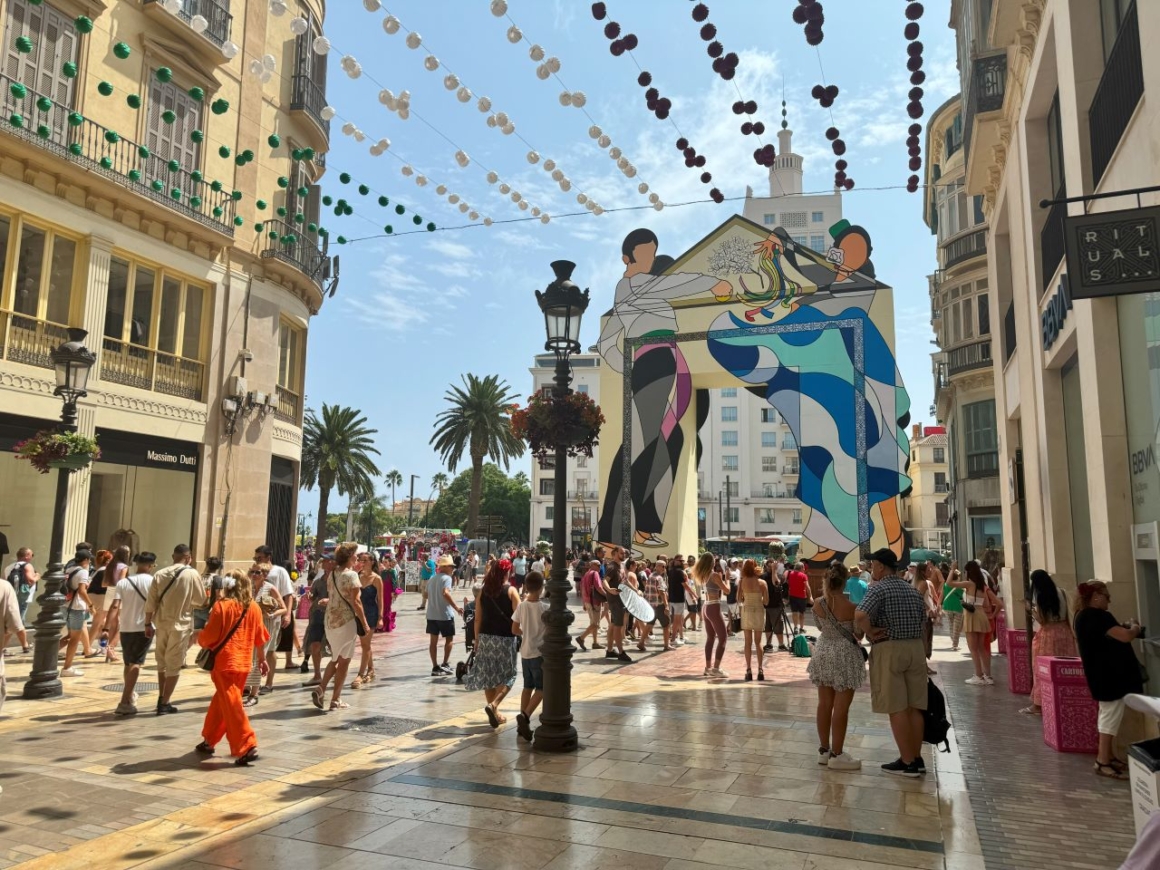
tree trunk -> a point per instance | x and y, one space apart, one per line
476 492
323 503
350 506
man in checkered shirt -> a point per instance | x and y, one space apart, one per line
891 615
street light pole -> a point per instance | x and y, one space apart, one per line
72 361
411 503
563 305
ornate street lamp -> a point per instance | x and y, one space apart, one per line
72 361
563 305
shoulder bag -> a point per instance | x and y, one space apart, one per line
207 655
845 633
358 626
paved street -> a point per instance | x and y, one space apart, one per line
674 773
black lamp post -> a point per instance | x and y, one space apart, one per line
72 361
563 305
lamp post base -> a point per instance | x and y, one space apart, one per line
44 680
550 738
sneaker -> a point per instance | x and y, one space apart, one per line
524 727
72 672
446 668
976 681
597 646
988 680
920 765
438 672
163 709
678 642
898 767
265 690
781 647
844 761
125 710
624 657
767 648
824 755
611 654
719 674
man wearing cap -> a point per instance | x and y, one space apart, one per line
891 615
441 610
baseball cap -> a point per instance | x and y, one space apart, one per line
885 557
445 562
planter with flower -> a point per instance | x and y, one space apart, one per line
50 449
548 422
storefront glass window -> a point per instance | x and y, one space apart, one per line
29 269
1140 362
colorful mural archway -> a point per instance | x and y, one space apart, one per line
811 333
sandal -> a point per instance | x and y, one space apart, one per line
748 675
1108 771
1031 711
111 659
1119 765
358 681
338 705
251 701
316 697
492 718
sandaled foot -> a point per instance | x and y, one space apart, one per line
338 705
1107 770
760 675
1031 711
204 748
316 697
492 718
1121 766
357 682
251 701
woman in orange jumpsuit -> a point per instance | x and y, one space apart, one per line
226 716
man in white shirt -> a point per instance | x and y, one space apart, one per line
279 578
10 623
127 613
538 565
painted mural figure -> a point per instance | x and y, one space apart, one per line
661 383
812 371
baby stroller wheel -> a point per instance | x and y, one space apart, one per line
460 672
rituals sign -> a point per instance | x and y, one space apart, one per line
1113 253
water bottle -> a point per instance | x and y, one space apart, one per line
104 640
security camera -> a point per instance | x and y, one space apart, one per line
246 354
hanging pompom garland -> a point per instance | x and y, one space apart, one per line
914 107
810 14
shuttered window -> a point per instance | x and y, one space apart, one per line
54 42
171 141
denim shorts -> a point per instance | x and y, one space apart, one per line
75 620
534 673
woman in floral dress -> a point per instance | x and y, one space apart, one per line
837 668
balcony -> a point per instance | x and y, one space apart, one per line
288 406
985 96
28 340
772 493
791 471
302 253
215 12
1118 94
1052 245
86 146
982 465
147 369
308 96
969 357
964 248
583 494
789 444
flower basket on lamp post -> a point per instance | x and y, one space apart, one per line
52 449
549 421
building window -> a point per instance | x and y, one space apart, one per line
291 340
797 517
768 490
729 438
549 513
54 43
818 217
582 388
940 481
168 142
940 455
581 461
732 515
1055 150
768 415
728 413
547 486
581 486
981 439
793 220
44 271
789 442
792 467
968 319
769 463
765 516
729 392
769 220
729 463
817 241
942 514
984 315
1112 14
801 239
732 488
768 439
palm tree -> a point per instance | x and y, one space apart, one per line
393 479
477 423
439 481
336 454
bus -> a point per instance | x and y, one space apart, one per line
753 548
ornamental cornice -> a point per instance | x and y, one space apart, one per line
26 383
152 407
290 434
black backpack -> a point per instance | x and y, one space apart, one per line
16 575
935 726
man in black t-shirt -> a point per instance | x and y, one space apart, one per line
678 589
775 610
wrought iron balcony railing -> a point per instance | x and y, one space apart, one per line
217 16
291 243
985 93
1118 94
148 369
307 96
969 357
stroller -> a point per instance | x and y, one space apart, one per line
462 668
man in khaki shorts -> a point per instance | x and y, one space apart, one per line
175 592
891 615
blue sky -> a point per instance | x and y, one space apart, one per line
414 312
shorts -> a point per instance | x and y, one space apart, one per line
343 639
593 611
775 618
695 608
616 612
799 605
898 676
678 608
662 616
534 673
445 627
134 646
1111 715
200 619
76 619
169 650
315 628
518 581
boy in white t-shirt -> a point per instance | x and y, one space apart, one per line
127 614
528 623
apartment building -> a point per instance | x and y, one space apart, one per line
925 511
159 194
960 304
1057 112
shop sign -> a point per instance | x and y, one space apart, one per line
170 459
1055 314
131 448
1113 253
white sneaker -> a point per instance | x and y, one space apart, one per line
844 761
136 698
824 756
678 642
72 672
720 674
987 679
976 681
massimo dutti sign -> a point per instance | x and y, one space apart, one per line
1112 253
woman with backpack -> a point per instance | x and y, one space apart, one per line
97 589
837 668
76 614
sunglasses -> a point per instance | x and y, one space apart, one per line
257 573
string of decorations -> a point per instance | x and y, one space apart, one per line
810 14
654 102
568 97
914 107
500 120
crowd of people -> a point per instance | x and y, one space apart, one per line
120 606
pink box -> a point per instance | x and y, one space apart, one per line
1070 713
1000 631
1018 667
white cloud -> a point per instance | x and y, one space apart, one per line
451 250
